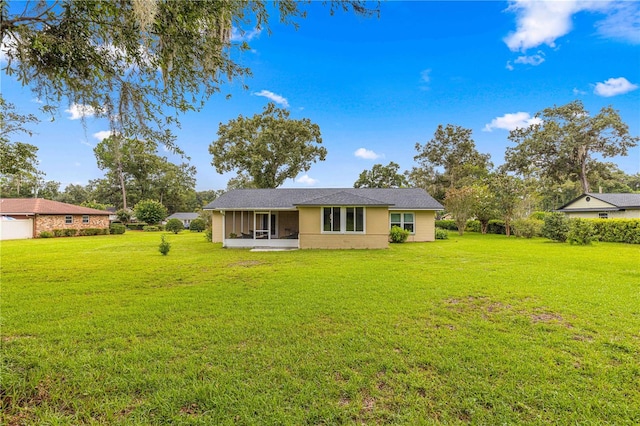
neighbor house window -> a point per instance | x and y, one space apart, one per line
68 220
603 215
404 221
85 219
343 219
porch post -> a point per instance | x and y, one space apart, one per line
223 227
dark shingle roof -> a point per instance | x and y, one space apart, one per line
183 216
621 201
288 198
43 206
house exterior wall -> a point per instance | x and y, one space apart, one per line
376 234
622 214
425 226
48 223
582 203
216 227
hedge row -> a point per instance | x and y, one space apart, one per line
495 226
71 232
617 230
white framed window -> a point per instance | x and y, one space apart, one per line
68 220
405 220
603 215
341 220
85 218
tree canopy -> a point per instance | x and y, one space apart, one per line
381 177
268 147
562 146
134 167
453 149
18 158
138 63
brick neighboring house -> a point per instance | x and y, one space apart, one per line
47 215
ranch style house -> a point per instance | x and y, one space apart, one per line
337 218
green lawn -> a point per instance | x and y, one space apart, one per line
479 329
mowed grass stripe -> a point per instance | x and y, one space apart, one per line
481 329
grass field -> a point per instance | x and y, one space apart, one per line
478 329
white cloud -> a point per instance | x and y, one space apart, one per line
78 111
577 92
86 143
305 179
425 75
623 23
512 122
533 60
614 86
367 154
103 134
509 66
239 35
543 21
274 97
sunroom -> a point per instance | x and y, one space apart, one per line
259 228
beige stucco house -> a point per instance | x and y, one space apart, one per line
28 217
321 218
603 206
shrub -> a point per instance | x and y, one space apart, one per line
46 234
497 226
123 215
117 228
69 232
151 228
197 225
92 231
174 225
473 226
556 227
58 232
398 235
208 235
527 228
617 230
441 234
138 226
449 225
581 232
164 246
150 211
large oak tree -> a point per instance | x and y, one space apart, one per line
269 147
563 145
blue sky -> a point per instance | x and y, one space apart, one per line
376 86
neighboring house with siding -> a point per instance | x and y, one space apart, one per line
321 218
46 215
603 206
184 217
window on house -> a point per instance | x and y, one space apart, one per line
403 220
68 220
355 219
343 219
603 215
85 218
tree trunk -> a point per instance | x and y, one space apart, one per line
122 187
484 225
507 227
582 156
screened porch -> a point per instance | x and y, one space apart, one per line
260 228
